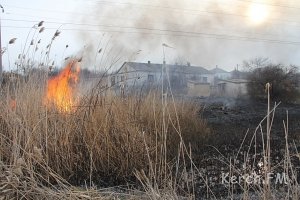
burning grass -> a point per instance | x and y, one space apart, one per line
105 140
61 89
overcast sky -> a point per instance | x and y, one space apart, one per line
203 32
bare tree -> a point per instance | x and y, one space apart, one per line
254 63
284 82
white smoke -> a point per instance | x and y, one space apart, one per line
206 33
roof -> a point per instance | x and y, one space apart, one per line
152 67
237 81
218 70
239 74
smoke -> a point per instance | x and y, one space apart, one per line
206 33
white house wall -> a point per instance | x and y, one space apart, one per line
136 78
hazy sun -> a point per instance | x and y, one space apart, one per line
258 13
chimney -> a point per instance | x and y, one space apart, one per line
188 64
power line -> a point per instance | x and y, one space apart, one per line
147 6
43 10
112 26
167 24
122 18
183 34
33 16
138 28
119 18
189 10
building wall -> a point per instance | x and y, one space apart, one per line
198 90
131 78
230 89
210 78
194 77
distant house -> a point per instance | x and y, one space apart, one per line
220 74
232 88
135 74
183 79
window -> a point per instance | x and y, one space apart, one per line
150 78
113 80
205 79
122 78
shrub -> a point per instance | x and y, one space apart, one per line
284 81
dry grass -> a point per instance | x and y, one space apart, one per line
106 140
19 182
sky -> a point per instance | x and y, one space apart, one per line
106 33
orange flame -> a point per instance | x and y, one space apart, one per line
13 104
61 88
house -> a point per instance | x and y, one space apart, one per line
232 88
220 74
135 74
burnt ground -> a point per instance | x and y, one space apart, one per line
233 123
232 120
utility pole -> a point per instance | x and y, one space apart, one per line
1 70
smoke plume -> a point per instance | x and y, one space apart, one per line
206 33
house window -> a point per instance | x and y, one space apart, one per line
113 80
150 78
205 79
122 78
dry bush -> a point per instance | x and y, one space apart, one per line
283 79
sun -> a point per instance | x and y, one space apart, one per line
258 14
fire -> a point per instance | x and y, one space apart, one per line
13 104
61 88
